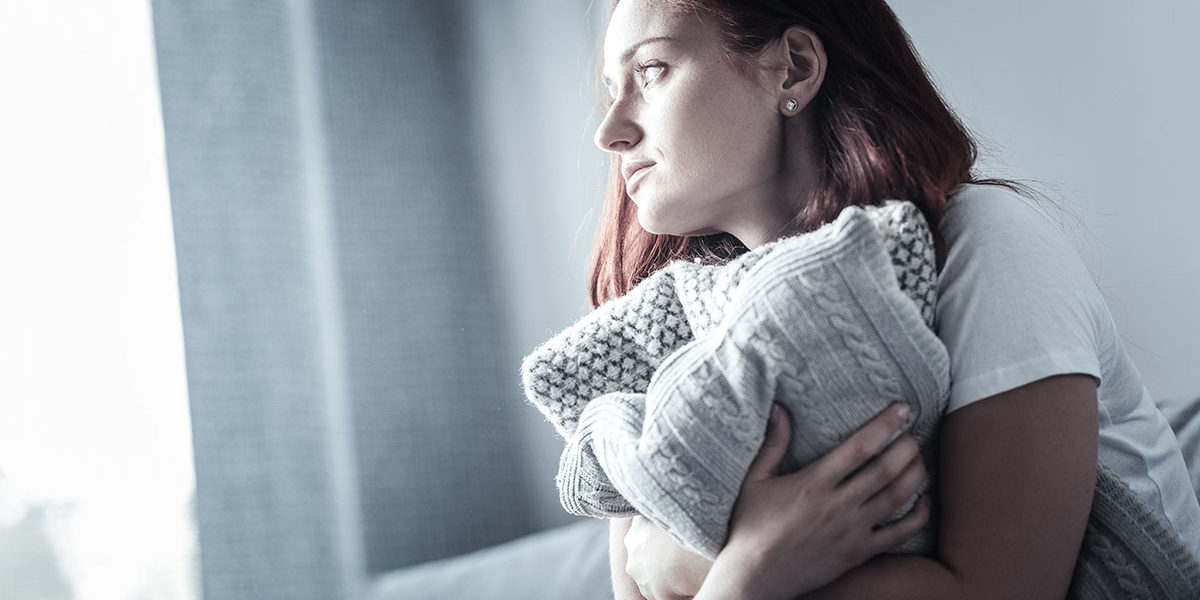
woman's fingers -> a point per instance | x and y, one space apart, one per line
888 537
775 445
883 470
863 445
808 518
896 493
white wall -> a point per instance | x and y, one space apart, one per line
1098 99
537 109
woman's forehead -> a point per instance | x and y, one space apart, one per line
635 22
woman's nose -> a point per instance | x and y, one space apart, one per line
617 131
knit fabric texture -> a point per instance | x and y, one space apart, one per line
1128 552
663 394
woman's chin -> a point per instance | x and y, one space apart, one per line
652 224
654 219
661 225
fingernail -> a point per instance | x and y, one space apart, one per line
774 418
902 411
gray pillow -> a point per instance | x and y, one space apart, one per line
664 394
1184 417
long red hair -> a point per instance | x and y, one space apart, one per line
881 128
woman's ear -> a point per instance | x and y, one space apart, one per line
803 61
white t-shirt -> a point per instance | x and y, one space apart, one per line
1017 304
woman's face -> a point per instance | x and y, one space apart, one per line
700 143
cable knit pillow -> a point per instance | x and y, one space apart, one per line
663 394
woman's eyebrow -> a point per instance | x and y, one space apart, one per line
629 52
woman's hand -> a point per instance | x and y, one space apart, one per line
795 533
662 569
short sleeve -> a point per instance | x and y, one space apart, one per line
1016 302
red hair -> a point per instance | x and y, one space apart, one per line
881 131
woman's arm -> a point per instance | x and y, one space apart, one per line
1017 476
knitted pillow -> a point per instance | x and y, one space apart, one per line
663 394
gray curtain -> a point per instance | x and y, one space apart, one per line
352 362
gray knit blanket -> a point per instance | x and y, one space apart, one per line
663 394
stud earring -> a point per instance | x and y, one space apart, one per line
790 105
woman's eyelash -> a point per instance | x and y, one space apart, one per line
607 99
641 68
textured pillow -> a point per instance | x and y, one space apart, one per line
1184 417
664 394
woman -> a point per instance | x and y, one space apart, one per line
735 123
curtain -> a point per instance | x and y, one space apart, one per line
348 311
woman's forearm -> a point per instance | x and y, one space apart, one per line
896 577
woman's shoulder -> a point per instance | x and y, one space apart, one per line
996 208
1016 301
991 224
994 226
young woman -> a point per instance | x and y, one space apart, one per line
734 123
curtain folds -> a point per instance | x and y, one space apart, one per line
354 399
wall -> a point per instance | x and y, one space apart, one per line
537 108
1097 100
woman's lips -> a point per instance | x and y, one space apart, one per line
635 177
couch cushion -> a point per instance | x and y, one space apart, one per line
565 562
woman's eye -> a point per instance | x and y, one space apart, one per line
650 72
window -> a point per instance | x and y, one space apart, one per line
96 479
